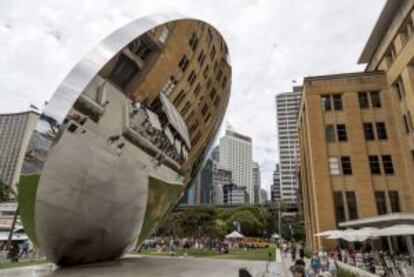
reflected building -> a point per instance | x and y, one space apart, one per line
15 132
127 132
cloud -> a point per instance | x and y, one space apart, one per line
271 42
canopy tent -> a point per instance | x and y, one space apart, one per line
234 235
175 119
276 236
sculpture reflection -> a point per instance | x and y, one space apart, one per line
130 142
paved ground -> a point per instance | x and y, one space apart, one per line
154 266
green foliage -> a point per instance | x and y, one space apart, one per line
26 201
4 192
217 222
345 273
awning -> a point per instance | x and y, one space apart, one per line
380 221
175 119
154 120
396 230
169 135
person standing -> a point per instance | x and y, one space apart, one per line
293 252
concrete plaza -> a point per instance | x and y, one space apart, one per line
153 266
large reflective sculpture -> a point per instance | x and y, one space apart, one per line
123 136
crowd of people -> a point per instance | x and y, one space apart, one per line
221 246
324 262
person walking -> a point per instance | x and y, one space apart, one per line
315 263
293 252
301 251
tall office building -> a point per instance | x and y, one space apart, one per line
15 132
262 196
287 109
235 195
236 155
256 181
357 137
204 190
275 188
215 154
221 177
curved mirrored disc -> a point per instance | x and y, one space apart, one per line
124 135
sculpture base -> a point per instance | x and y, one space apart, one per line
145 266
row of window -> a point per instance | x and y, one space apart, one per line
369 99
340 207
343 165
366 100
406 32
338 132
380 199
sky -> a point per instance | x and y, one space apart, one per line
272 44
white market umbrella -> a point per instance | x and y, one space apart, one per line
234 235
396 230
339 234
328 233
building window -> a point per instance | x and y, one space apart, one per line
381 130
333 166
201 58
204 109
223 84
164 34
387 164
197 89
330 133
368 131
337 101
346 165
219 75
169 86
363 100
212 53
352 205
192 77
212 93
339 206
341 132
406 125
399 88
124 70
394 201
375 99
374 165
185 108
380 201
141 49
193 41
183 63
205 72
179 99
326 102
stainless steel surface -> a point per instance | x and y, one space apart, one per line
111 163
